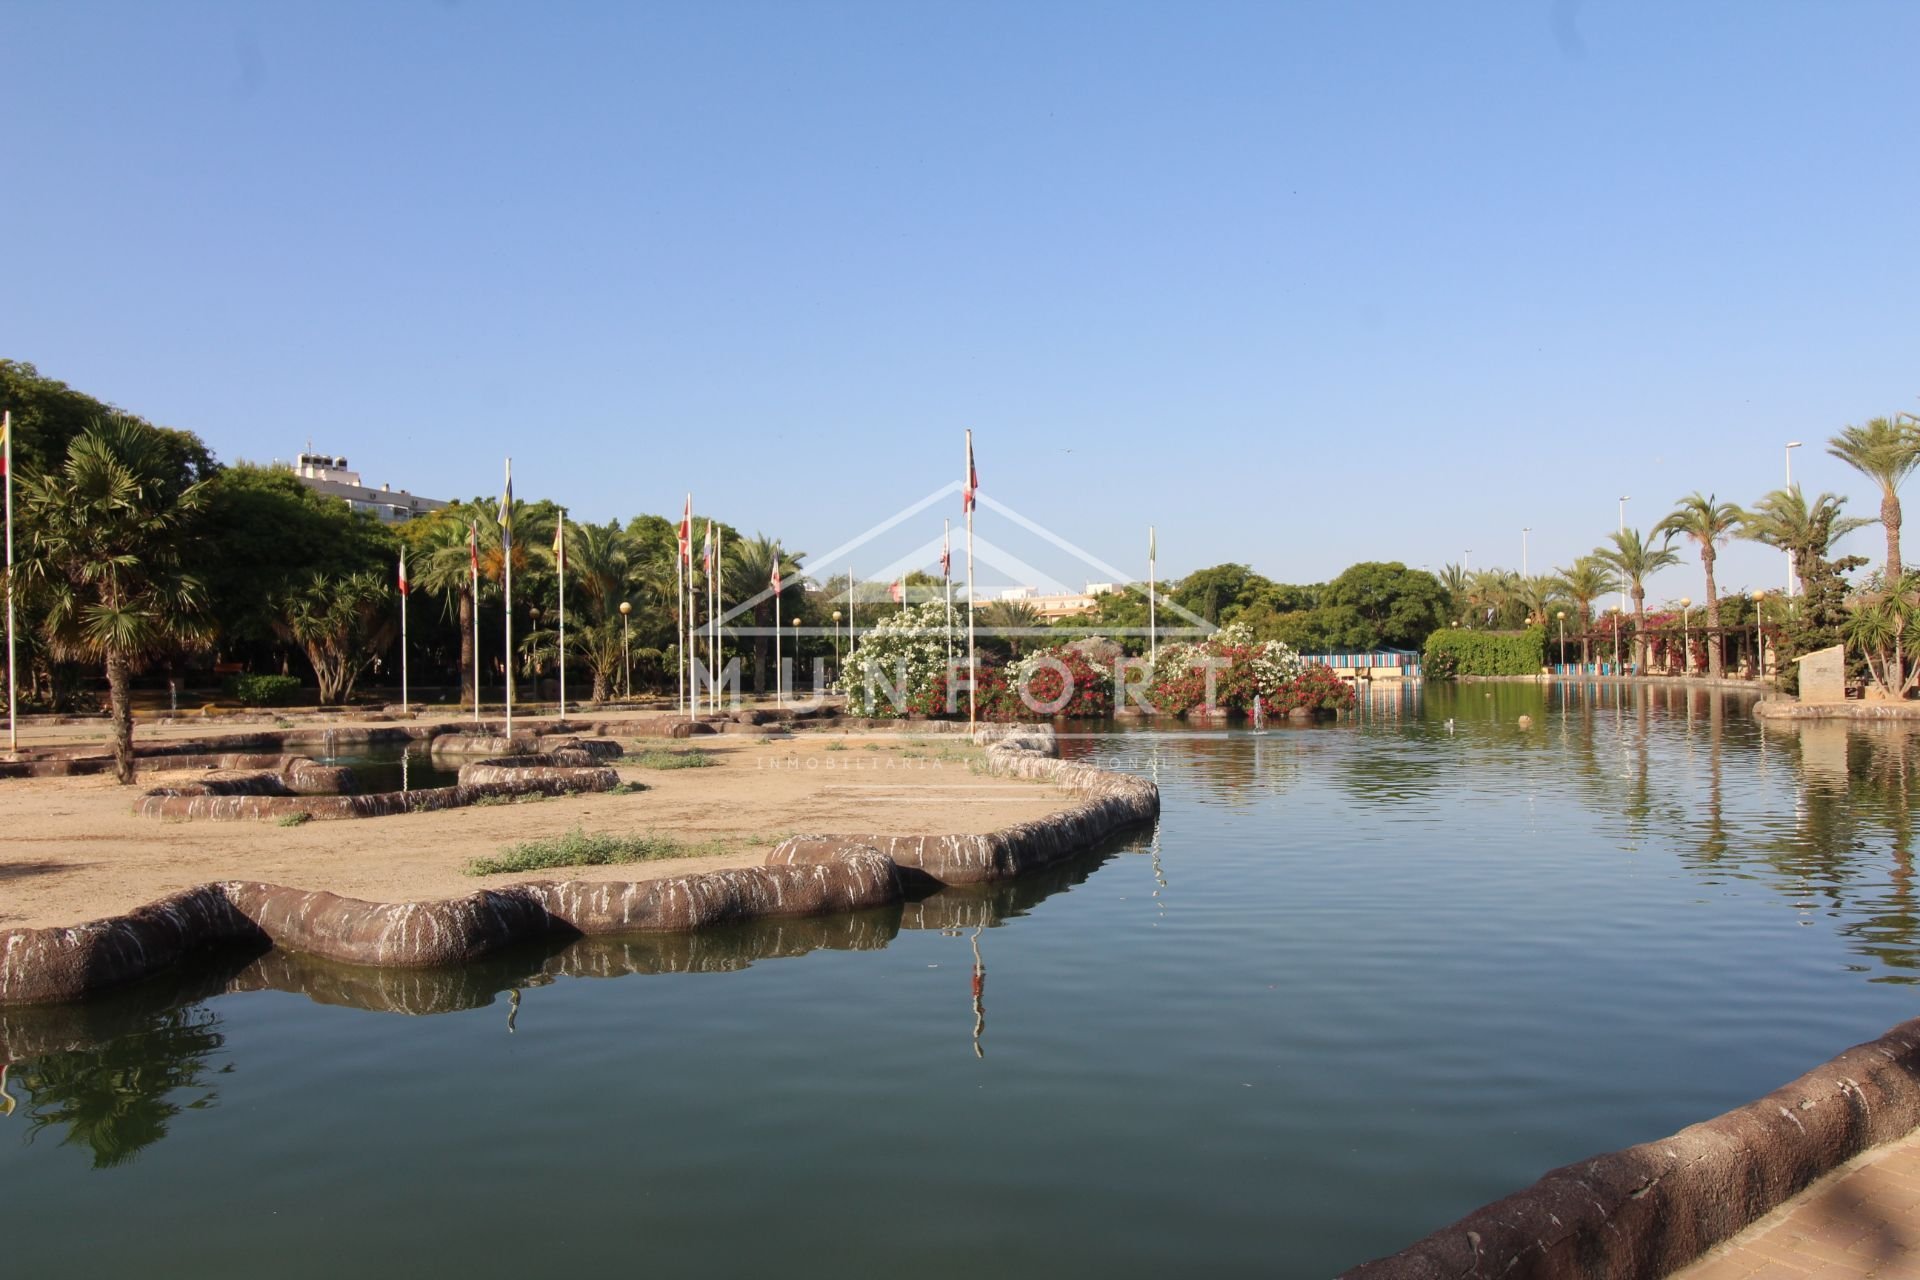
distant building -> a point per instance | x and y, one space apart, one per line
329 477
1052 608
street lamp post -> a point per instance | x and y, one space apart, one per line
626 651
1561 617
836 644
1759 641
1615 614
1686 635
796 657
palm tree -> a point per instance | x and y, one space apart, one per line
1584 581
341 623
107 535
1010 618
1632 560
441 565
749 562
1885 452
1707 523
1455 580
1785 520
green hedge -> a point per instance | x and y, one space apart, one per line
1454 652
263 691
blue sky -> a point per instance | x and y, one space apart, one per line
1301 284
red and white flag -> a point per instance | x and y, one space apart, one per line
686 532
774 581
973 478
403 571
946 555
898 590
706 556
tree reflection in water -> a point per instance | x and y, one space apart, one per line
116 1099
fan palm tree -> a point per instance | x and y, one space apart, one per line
1632 560
341 623
1010 618
1707 522
1455 580
1885 452
1584 581
1785 520
106 541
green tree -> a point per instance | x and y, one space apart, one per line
1211 592
1877 629
271 529
750 564
1632 560
1707 523
341 624
108 534
440 563
1398 607
1885 452
48 416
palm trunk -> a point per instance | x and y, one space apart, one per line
466 649
1716 665
1586 629
1639 630
762 617
120 710
1890 517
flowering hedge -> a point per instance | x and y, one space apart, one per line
1061 681
1242 669
904 655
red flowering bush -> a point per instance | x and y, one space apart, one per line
1316 688
1061 682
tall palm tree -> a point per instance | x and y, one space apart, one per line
1885 452
107 536
1708 523
1584 581
1456 581
441 565
749 565
1632 560
1785 520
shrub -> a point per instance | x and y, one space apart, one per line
1454 652
907 649
1316 688
1243 669
263 690
660 758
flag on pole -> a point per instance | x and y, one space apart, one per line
973 478
774 581
473 547
706 553
898 590
6 442
686 532
506 512
403 571
946 554
1153 545
560 544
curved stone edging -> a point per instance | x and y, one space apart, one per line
1645 1211
1870 712
40 965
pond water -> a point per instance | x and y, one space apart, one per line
1360 980
396 767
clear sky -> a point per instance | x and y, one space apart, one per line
1302 284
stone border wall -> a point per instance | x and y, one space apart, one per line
1648 1210
41 965
1870 712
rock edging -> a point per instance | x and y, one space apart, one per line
43 965
1648 1210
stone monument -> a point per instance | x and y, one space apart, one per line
1823 675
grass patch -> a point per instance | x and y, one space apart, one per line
293 819
489 801
579 848
836 745
660 758
626 788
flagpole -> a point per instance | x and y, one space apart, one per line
713 624
403 631
506 557
946 571
779 691
973 655
6 470
686 613
679 618
1153 627
473 548
560 542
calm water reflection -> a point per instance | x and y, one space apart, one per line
1360 979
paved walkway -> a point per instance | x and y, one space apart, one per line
1862 1220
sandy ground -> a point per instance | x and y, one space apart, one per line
71 849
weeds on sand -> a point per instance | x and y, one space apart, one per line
293 819
579 848
660 758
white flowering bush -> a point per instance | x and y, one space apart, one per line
1242 669
900 667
